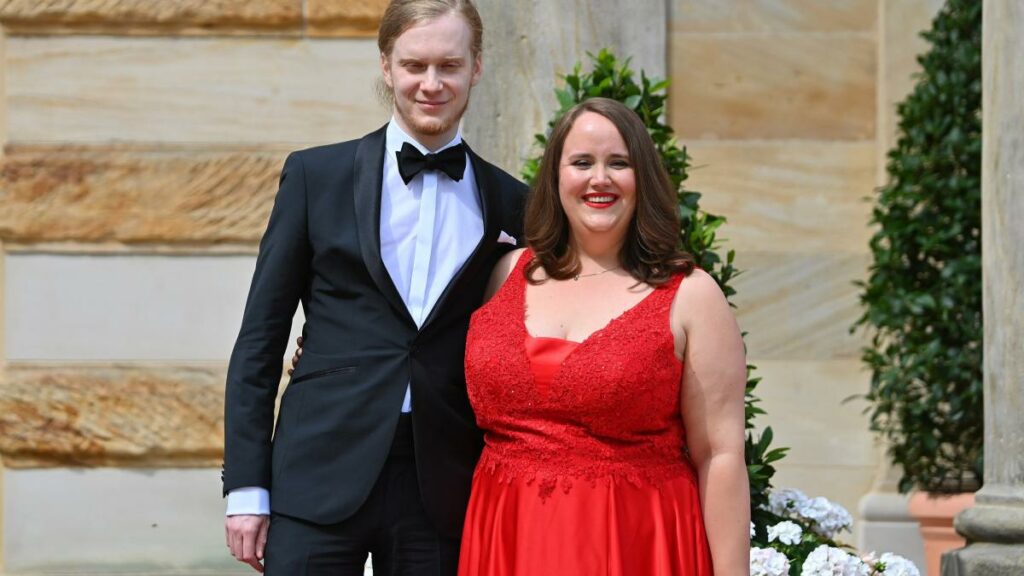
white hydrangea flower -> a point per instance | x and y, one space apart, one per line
826 518
752 533
768 562
783 501
828 561
786 532
898 566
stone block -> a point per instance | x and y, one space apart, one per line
790 390
103 194
774 16
344 17
139 307
124 522
111 416
228 92
885 525
787 196
799 306
773 86
147 16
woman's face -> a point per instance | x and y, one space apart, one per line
596 182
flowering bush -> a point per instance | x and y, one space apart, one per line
768 562
799 540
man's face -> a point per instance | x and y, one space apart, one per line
430 72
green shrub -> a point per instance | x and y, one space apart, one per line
922 299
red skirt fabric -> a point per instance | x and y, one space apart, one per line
605 527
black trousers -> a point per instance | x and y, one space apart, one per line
391 525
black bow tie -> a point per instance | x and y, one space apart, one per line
451 161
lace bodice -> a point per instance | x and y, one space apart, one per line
610 412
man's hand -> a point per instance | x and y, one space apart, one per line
247 537
296 356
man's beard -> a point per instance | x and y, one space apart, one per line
433 126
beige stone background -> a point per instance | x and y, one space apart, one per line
141 145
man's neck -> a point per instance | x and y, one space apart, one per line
432 142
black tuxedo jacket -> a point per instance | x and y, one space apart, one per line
338 414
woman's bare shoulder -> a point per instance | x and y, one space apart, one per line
501 271
699 293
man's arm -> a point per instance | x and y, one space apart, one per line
254 372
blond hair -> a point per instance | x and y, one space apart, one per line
401 15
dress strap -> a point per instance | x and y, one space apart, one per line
516 280
666 294
518 274
524 259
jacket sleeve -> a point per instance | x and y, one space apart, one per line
254 372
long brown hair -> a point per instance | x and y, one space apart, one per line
650 252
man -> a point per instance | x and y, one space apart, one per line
388 242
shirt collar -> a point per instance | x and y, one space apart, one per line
396 137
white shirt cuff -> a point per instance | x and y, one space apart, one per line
248 500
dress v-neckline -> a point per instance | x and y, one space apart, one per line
589 337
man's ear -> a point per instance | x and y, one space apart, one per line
478 69
385 69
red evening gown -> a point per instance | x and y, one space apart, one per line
584 470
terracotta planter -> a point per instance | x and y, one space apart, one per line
934 513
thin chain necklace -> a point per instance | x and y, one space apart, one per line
577 277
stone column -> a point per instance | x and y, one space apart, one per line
529 43
994 527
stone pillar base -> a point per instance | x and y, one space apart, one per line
984 560
996 528
885 526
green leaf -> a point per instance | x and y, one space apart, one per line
565 99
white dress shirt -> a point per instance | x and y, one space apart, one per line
428 229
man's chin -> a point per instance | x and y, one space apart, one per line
430 126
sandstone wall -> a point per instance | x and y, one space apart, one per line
141 147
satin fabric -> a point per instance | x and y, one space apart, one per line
608 528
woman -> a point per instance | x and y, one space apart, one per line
608 376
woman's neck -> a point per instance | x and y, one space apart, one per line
597 252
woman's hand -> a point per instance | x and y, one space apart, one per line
296 356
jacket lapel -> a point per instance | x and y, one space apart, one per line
490 205
368 182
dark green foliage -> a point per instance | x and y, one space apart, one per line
923 296
610 78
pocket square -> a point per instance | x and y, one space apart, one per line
504 238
